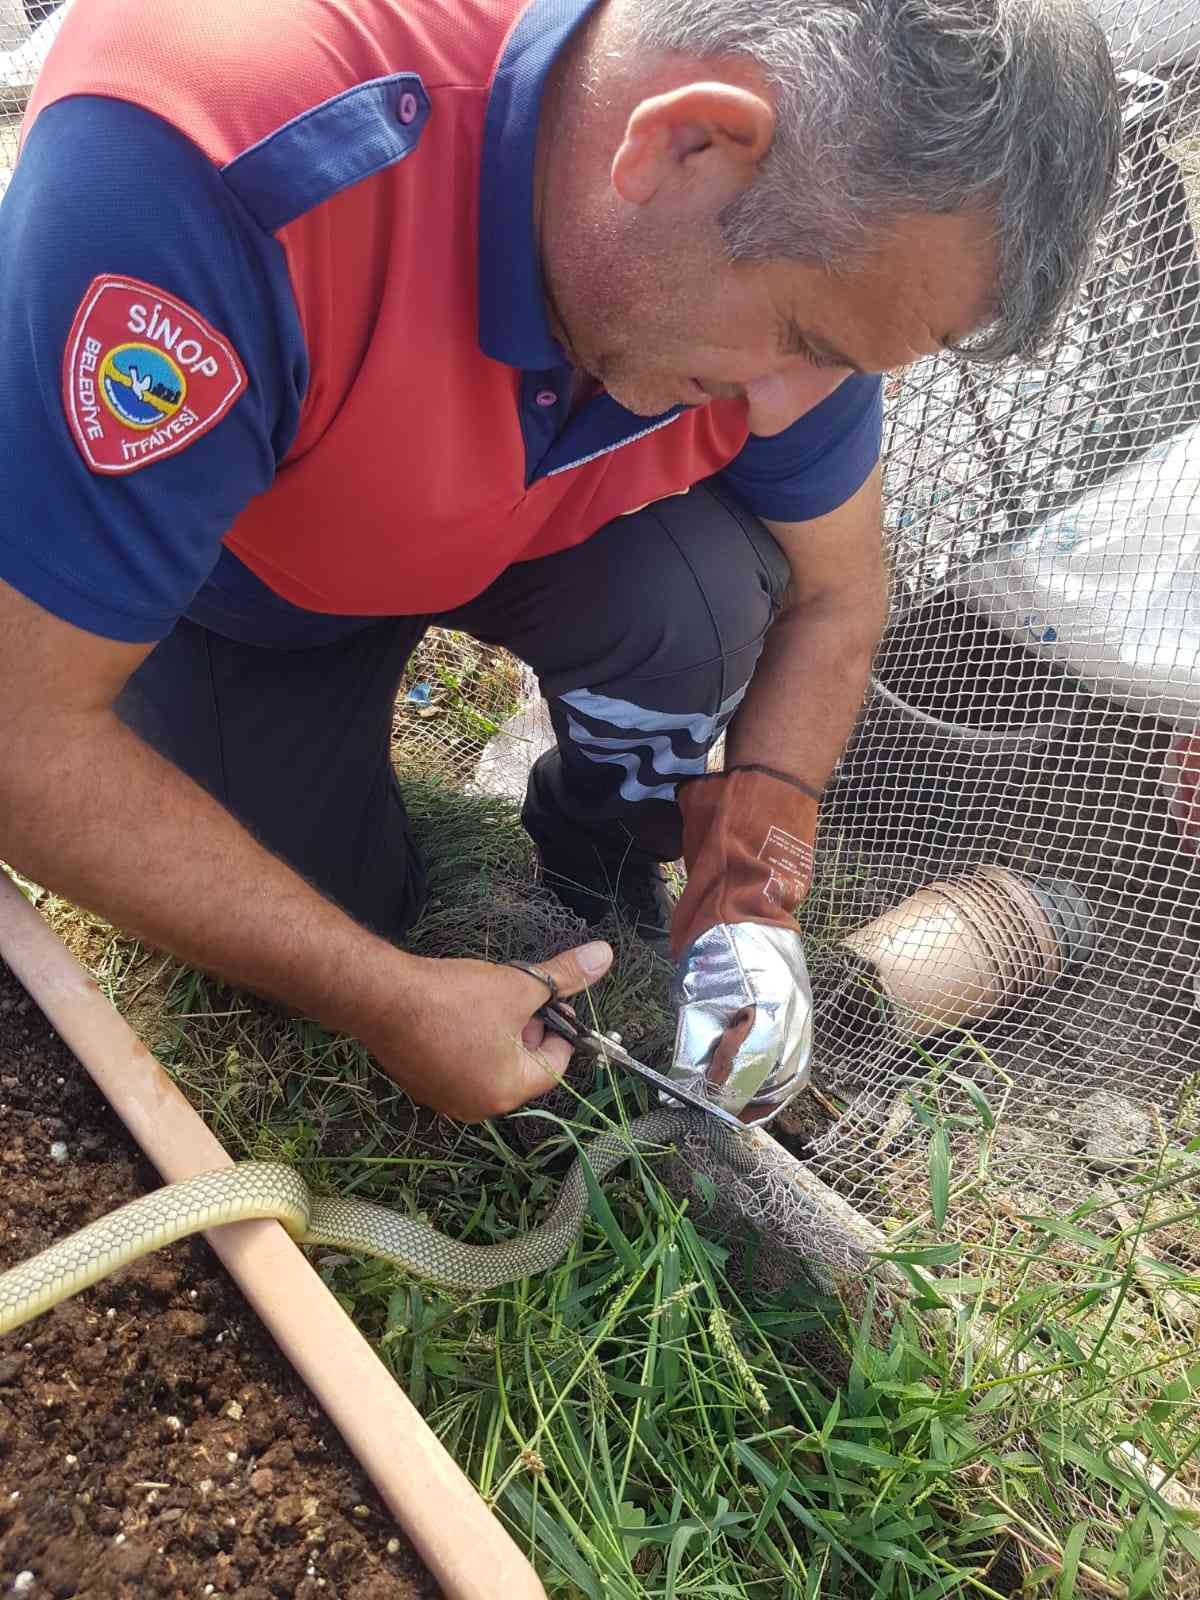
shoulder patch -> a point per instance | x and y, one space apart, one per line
144 375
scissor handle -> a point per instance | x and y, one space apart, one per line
539 974
557 1021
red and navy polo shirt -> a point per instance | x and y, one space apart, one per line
274 351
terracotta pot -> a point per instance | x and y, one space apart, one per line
963 948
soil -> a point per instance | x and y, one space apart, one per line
153 1442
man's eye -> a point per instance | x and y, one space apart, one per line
807 353
795 344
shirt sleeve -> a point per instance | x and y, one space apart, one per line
152 367
815 465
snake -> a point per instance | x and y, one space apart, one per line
246 1191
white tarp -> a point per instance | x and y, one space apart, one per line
1110 587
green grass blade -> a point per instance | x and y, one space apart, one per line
1072 1550
939 1175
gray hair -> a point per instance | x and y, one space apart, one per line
887 107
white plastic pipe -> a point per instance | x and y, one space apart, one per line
458 1538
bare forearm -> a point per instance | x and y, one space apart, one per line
807 690
88 809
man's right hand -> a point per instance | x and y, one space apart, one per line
89 810
465 1040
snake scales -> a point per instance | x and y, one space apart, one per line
259 1189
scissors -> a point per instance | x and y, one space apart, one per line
560 1021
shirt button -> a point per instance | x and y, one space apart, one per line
408 108
547 397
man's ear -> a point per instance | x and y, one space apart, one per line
695 148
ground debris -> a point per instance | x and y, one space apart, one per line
1115 1129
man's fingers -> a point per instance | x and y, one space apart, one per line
553 1055
575 969
543 1067
731 1041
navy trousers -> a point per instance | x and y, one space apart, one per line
643 639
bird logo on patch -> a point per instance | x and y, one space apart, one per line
141 385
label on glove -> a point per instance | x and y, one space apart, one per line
790 868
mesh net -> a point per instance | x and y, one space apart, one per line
1004 936
1005 939
27 30
1009 848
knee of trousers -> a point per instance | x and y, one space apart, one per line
682 596
693 583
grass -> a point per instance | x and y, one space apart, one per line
648 1418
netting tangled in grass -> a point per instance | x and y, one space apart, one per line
1006 1076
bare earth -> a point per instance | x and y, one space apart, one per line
152 1440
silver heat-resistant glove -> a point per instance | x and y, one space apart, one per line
744 981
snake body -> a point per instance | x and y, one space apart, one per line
259 1189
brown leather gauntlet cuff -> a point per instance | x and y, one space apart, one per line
748 847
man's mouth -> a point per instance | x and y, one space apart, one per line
703 392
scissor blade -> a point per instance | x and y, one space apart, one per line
597 1044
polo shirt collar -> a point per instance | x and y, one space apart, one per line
513 326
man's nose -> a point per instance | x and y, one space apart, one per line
776 401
